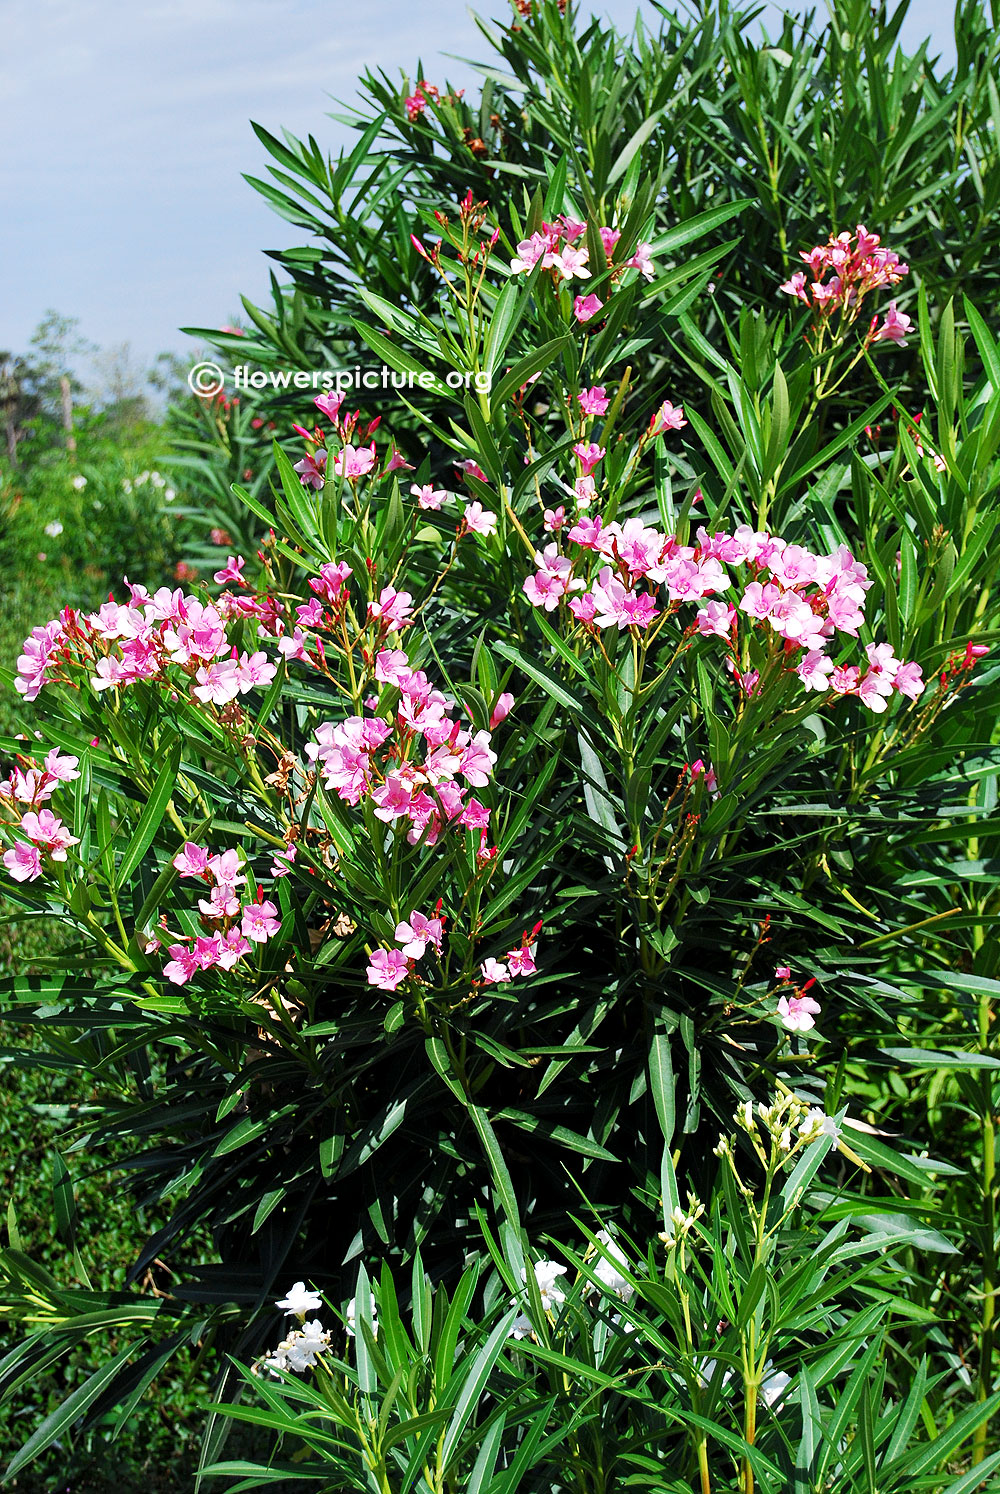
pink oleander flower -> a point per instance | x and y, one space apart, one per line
354 462
553 519
796 286
502 709
814 670
895 327
415 104
474 816
232 947
218 683
758 600
282 864
192 860
609 238
909 680
312 469
398 462
636 546
544 589
844 679
479 520
572 262
476 763
418 933
782 972
706 773
23 862
48 833
616 606
715 618
392 666
585 491
254 671
584 608
570 228
293 646
226 868
221 902
471 468
428 496
329 404
530 251
588 454
874 690
552 581
641 261
330 582
386 968
38 650
61 768
798 1013
521 961
393 608
585 308
586 532
494 972
594 401
182 964
232 571
260 921
667 418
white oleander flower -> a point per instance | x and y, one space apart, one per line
299 1301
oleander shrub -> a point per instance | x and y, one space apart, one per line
566 758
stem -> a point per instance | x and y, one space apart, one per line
749 1433
706 1482
989 1223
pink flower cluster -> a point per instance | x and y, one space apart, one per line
408 765
39 651
38 831
139 639
554 246
858 265
387 968
236 926
349 461
416 102
803 597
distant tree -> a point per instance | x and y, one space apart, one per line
20 401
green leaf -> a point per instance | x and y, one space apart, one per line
59 1422
151 817
498 1167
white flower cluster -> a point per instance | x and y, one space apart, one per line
681 1223
609 1266
158 482
300 1348
298 1351
790 1121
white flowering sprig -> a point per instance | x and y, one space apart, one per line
781 1135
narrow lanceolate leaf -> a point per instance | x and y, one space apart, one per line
60 1421
474 1383
151 817
498 1166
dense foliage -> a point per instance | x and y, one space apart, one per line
540 889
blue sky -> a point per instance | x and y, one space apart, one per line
124 130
